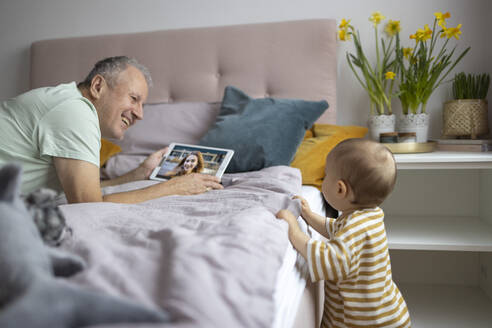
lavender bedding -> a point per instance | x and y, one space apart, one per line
210 260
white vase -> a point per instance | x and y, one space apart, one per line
418 123
380 124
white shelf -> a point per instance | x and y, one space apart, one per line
436 233
444 160
446 306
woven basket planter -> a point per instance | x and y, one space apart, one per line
465 117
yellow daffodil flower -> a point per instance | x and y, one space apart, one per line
389 75
392 28
422 34
427 33
441 18
376 18
407 52
452 31
343 35
344 23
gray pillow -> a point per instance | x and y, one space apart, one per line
263 132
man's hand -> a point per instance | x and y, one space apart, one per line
151 162
194 183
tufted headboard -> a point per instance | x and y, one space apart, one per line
294 59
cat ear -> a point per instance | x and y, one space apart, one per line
10 179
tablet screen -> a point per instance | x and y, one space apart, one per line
182 159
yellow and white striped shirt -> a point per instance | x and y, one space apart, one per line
355 264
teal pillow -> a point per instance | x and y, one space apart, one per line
263 132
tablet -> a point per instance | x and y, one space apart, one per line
183 159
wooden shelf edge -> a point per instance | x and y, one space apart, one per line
447 306
438 234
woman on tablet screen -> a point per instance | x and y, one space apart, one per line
192 163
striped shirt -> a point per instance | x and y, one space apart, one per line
355 264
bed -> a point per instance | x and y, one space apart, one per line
219 259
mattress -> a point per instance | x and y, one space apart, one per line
293 274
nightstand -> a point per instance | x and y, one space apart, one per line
439 225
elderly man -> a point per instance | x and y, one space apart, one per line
55 134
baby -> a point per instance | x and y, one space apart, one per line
354 261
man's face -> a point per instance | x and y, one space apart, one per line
119 107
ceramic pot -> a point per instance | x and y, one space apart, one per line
380 124
418 123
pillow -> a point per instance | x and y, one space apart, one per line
108 149
320 130
263 132
121 164
165 123
311 155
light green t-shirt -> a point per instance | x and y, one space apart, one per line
45 123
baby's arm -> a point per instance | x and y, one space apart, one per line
296 236
315 220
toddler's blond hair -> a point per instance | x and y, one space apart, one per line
368 168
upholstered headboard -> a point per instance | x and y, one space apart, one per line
293 59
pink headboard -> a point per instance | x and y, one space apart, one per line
295 59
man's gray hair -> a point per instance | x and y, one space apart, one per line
111 67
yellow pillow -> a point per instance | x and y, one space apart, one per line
321 130
108 149
309 134
311 155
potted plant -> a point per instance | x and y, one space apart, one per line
422 69
376 78
467 114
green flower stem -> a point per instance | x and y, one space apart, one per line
378 63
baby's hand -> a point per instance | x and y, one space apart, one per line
287 216
305 209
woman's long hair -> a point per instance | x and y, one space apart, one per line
199 165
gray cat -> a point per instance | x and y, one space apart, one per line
30 296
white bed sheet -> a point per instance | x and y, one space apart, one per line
293 273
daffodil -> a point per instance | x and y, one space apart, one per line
343 35
407 52
376 18
389 75
377 78
422 34
426 66
452 31
441 18
344 23
392 28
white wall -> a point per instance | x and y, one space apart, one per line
25 21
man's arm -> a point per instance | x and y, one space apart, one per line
80 182
142 172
